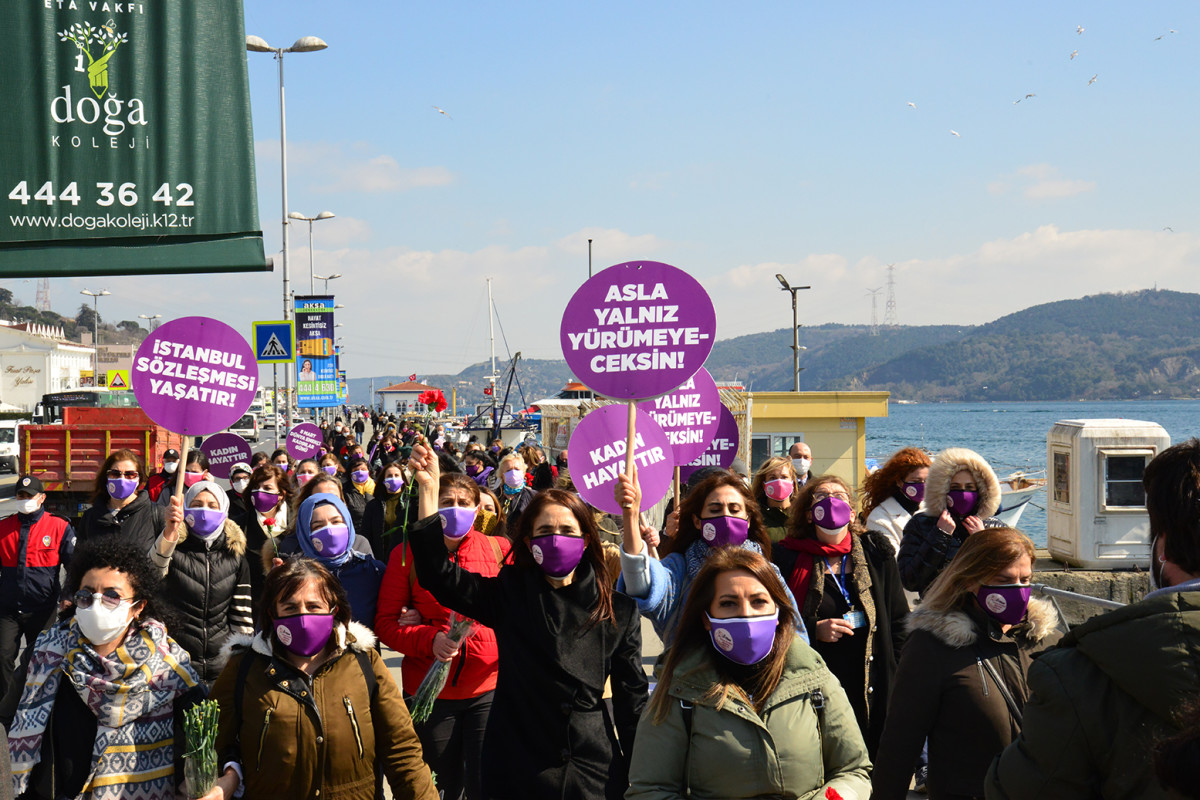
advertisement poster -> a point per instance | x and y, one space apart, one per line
316 367
128 146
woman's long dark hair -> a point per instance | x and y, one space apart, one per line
693 507
691 634
100 494
116 552
881 484
593 553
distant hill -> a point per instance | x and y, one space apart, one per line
1110 346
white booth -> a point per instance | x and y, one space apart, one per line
1096 506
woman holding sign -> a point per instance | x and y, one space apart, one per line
120 506
269 493
848 586
562 634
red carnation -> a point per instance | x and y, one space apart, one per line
832 794
426 398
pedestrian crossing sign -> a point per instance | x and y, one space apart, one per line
274 341
117 379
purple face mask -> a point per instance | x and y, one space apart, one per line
832 513
331 541
724 531
120 488
779 488
556 554
915 491
330 469
393 485
304 634
264 501
204 522
359 476
456 522
474 469
744 640
1006 604
962 502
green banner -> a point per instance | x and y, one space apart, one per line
127 137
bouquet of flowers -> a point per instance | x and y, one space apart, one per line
200 757
435 680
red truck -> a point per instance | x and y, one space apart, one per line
67 457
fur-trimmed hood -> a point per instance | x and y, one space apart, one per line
235 537
356 636
945 466
958 629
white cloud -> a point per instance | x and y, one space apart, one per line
336 167
1040 182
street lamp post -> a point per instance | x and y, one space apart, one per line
310 221
787 287
305 44
96 331
150 320
332 277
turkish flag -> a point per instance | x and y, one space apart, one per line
487 390
412 377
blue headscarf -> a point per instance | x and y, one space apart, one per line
304 528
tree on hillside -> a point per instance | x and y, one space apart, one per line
87 318
129 326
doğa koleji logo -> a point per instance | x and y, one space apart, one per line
98 44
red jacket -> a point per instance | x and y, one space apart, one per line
473 670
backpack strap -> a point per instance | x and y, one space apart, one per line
688 710
496 551
364 663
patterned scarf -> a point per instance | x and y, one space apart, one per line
132 693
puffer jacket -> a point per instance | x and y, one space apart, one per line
210 587
792 750
473 670
321 736
889 518
924 549
1100 700
945 693
140 522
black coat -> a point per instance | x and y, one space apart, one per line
140 522
210 587
375 530
356 503
925 550
548 734
889 608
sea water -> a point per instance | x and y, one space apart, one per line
1012 436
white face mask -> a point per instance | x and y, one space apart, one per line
240 484
169 467
802 465
101 624
29 506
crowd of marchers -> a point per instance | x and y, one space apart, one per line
820 640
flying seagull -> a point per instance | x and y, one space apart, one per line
955 133
1093 79
1079 30
442 112
912 105
1026 97
1073 54
1156 38
1169 228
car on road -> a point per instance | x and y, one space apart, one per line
246 427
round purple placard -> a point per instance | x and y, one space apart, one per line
721 451
689 415
637 330
194 375
597 449
304 441
223 450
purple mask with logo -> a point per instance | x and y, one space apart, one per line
915 491
556 554
359 476
304 634
264 501
330 469
744 640
962 502
205 522
331 541
120 488
456 522
724 531
393 485
832 513
1006 604
779 488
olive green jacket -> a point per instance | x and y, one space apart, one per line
791 751
1099 701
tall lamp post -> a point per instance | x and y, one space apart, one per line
310 220
150 320
787 287
96 331
332 277
305 44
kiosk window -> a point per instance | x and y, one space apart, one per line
1123 481
1062 478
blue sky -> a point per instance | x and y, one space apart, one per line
732 140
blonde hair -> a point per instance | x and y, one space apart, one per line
769 466
980 557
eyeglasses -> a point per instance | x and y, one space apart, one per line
819 496
109 598
130 474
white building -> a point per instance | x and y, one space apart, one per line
401 398
36 360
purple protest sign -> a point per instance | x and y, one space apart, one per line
194 375
721 451
637 330
597 449
304 441
689 415
223 450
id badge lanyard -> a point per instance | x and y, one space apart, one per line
840 580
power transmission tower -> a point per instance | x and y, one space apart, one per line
874 310
43 295
889 312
